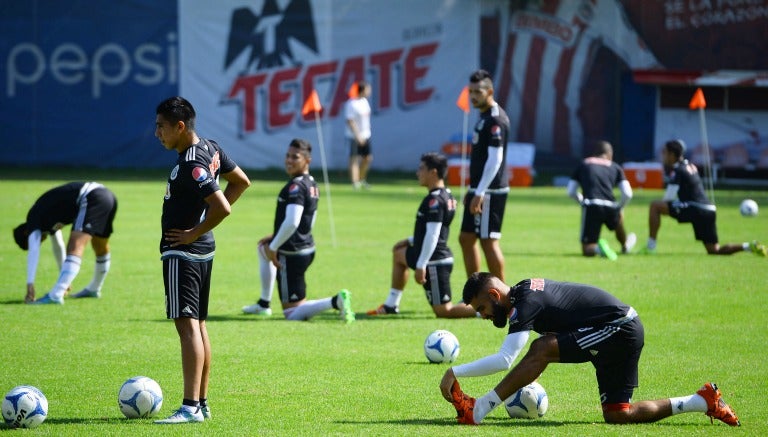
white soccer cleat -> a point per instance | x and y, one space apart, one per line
257 310
182 415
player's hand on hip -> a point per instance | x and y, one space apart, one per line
180 236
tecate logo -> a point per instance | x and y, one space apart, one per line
110 64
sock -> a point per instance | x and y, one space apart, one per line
309 308
69 271
190 405
268 273
263 303
100 271
485 405
651 243
393 300
688 404
203 402
746 247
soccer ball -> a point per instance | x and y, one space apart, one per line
748 208
530 402
24 407
441 346
140 396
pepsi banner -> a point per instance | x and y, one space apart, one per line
81 80
248 67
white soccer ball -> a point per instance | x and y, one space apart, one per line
530 402
748 208
24 407
140 396
441 346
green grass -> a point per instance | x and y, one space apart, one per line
704 317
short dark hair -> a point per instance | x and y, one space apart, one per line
437 161
482 77
675 147
177 109
476 283
303 145
361 86
602 148
21 236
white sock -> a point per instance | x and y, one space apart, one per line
308 309
268 273
688 404
746 247
69 271
651 243
485 404
100 271
393 300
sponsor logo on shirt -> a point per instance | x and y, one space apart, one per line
496 131
174 172
513 316
294 189
433 203
199 174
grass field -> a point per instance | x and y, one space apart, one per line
704 317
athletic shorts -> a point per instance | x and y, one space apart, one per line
614 351
96 214
290 277
703 220
438 285
356 149
487 224
187 288
593 217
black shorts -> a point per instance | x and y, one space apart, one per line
438 285
593 217
187 288
704 221
487 224
96 214
290 277
614 351
356 149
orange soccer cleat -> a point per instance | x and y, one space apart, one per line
716 406
464 405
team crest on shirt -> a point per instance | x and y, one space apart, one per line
199 174
294 189
496 131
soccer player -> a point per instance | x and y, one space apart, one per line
427 251
357 112
194 204
578 323
598 175
90 208
685 201
290 249
486 198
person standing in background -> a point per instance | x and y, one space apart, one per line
357 113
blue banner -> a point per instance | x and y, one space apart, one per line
81 80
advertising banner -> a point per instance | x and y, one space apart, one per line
80 80
249 66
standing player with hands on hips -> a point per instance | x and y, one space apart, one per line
194 205
578 323
486 198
